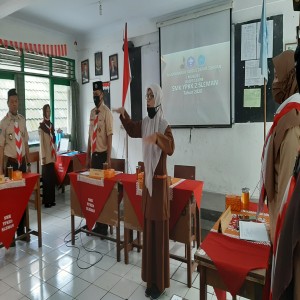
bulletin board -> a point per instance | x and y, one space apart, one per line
244 114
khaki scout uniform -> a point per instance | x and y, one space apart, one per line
45 148
104 128
7 135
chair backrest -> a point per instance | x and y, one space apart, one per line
186 172
141 164
118 164
34 157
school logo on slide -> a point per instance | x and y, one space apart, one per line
190 62
201 60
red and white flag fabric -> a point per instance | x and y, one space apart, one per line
126 70
18 139
41 49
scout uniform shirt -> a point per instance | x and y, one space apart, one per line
104 127
46 156
7 134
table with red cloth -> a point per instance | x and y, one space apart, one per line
230 264
97 201
14 197
184 223
68 162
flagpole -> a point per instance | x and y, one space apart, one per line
126 84
265 108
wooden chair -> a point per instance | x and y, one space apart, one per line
118 164
34 159
141 164
186 172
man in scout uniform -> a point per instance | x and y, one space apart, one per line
100 138
14 150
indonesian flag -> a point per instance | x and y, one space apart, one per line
126 70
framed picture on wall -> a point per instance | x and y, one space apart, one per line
98 64
113 67
85 72
291 46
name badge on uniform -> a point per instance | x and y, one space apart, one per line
10 136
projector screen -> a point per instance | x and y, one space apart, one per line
195 71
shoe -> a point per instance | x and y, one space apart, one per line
24 239
13 244
53 204
96 229
155 293
47 205
148 292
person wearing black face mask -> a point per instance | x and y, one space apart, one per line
157 142
100 138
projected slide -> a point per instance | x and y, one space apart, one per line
196 85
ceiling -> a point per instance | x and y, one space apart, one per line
81 17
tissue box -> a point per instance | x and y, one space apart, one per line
96 173
2 178
234 201
17 175
109 173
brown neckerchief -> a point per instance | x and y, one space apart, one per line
46 129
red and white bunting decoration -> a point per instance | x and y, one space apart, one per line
41 49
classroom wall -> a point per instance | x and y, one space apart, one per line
225 159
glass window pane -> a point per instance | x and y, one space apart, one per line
5 86
37 94
62 108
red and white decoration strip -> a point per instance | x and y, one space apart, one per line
41 49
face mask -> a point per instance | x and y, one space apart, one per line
277 92
152 111
97 100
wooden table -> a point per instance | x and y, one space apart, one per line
255 280
14 198
184 228
110 213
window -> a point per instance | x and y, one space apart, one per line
37 94
5 86
62 107
46 81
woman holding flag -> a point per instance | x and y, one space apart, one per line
157 142
47 157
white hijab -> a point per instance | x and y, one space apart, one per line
151 152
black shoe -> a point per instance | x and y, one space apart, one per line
47 205
148 292
155 293
13 244
53 204
97 229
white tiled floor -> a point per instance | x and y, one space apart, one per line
56 271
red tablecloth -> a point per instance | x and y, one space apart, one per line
62 164
181 195
13 202
234 258
92 198
129 184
